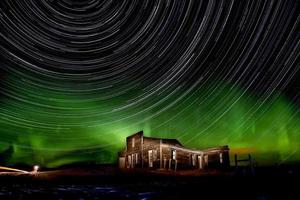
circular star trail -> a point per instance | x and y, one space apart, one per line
77 77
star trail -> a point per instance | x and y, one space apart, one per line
77 77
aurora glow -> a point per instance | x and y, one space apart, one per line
78 78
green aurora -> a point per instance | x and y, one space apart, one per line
52 128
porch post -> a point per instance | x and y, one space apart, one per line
160 153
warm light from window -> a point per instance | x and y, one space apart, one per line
174 154
221 158
133 141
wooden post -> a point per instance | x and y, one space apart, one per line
235 160
175 164
170 163
207 160
160 153
249 160
251 164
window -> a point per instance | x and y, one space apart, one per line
133 159
133 142
194 159
150 158
129 161
200 162
221 157
136 158
154 155
173 154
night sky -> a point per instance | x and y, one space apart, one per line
78 76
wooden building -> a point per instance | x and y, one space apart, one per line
149 152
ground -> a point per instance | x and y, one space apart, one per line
110 183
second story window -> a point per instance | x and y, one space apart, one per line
133 141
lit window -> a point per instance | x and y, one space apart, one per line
137 158
150 158
174 154
221 157
133 141
200 162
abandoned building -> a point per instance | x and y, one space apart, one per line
149 152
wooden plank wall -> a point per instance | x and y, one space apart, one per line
151 144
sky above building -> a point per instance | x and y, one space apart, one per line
78 77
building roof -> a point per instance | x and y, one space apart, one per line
196 151
164 140
177 145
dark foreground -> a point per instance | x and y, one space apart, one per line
112 184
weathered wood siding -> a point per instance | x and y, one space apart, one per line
151 144
137 140
215 160
183 158
137 154
133 153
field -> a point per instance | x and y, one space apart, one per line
110 183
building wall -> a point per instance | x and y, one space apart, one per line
217 159
133 151
134 142
151 144
183 159
139 148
